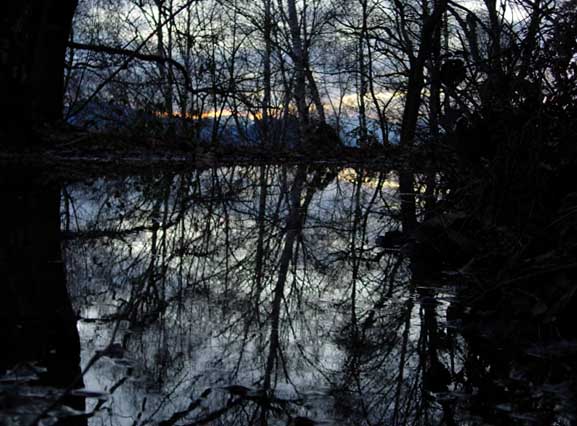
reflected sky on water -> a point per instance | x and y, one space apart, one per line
251 295
262 284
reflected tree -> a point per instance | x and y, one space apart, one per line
41 346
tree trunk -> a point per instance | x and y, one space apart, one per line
411 111
416 75
36 313
294 224
267 72
315 94
298 57
362 78
33 36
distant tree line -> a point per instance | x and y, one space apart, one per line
379 71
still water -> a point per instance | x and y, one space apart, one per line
240 296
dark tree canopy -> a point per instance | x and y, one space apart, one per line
33 36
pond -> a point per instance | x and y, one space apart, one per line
244 295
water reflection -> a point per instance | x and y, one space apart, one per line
40 356
261 284
249 296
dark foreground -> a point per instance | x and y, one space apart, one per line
244 295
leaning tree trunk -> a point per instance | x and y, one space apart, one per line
33 36
411 111
416 74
